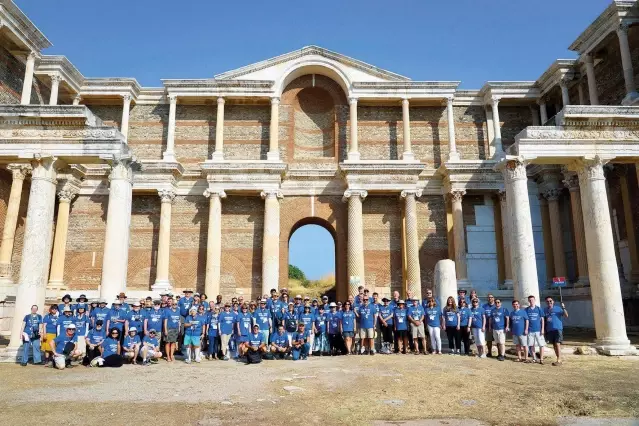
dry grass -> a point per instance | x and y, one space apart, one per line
314 289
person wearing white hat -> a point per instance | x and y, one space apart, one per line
99 313
131 345
64 348
65 319
193 329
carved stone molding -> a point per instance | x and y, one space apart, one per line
208 193
166 195
571 182
590 169
515 170
354 193
271 193
67 194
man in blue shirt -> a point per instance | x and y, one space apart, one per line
300 345
99 313
416 319
134 318
554 318
500 326
172 322
150 348
488 311
254 346
116 317
366 314
64 350
94 340
124 305
193 330
333 321
226 325
65 319
519 326
213 331
31 332
185 302
262 317
280 346
153 320
535 329
400 319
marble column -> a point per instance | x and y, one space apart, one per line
582 95
126 106
36 251
162 278
413 271
499 151
19 172
271 241
408 150
214 243
630 224
453 155
543 112
565 95
626 63
273 153
169 154
28 79
116 239
524 264
547 237
218 154
355 247
592 82
505 224
572 183
460 238
353 148
559 255
607 303
56 276
615 239
55 88
77 99
535 116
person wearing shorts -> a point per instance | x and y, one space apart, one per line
478 326
367 314
50 321
535 329
347 326
500 326
193 327
171 326
488 311
226 322
416 320
400 321
150 351
519 326
554 318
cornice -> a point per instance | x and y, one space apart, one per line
59 64
22 26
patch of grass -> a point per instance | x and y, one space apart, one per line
311 288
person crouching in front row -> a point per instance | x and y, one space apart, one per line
300 345
280 347
254 346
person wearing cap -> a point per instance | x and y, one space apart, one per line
325 303
65 319
64 351
124 305
94 341
131 345
66 303
150 350
81 327
320 341
274 306
226 327
254 346
298 305
193 330
333 319
135 318
153 320
308 319
347 326
280 345
243 323
299 345
116 318
30 332
461 294
262 317
366 316
50 321
171 326
385 316
416 321
99 313
434 324
400 322
213 331
185 302
111 351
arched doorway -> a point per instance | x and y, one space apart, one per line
312 247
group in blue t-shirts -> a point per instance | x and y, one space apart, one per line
276 328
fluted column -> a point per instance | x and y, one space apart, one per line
413 272
116 240
36 251
169 154
553 195
19 172
524 264
571 182
27 83
271 242
453 155
626 63
543 112
274 136
408 150
505 224
592 82
355 247
353 148
214 242
218 154
162 281
55 87
126 106
459 237
56 277
547 237
630 224
565 95
499 150
607 303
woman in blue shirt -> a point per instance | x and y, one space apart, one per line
212 332
50 321
347 326
400 321
464 316
290 321
111 350
450 316
433 322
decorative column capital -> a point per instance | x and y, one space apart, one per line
590 169
275 100
449 100
622 29
121 170
411 193
44 168
352 100
405 102
588 59
56 78
32 56
67 194
166 195
552 194
172 98
361 193
494 100
76 99
456 195
126 98
571 181
502 195
220 101
515 170
19 171
271 193
212 193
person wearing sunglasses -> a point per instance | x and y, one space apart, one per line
500 324
111 351
347 326
554 316
488 308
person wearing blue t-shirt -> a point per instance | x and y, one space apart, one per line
65 319
535 329
500 324
111 351
66 303
262 317
213 333
150 350
366 314
185 302
171 327
488 311
347 326
308 318
450 318
434 324
96 335
116 317
65 348
134 318
226 324
131 345
153 320
385 315
31 331
464 327
554 319
81 327
243 323
333 321
280 346
254 346
519 328
299 345
320 340
193 329
50 321
478 326
400 322
99 313
416 320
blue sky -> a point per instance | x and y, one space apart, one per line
472 41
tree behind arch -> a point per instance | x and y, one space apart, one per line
296 273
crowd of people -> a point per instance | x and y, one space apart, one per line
276 327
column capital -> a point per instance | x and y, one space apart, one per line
587 58
166 195
121 170
405 101
220 100
352 100
275 100
44 168
541 101
623 27
126 98
76 99
56 78
502 195
456 195
32 55
67 194
515 170
271 193
494 100
361 193
208 193
571 181
411 193
552 194
590 169
449 100
172 98
19 171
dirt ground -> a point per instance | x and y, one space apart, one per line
350 390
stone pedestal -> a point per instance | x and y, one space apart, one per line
607 303
271 242
413 272
162 281
445 281
460 239
56 277
214 243
355 248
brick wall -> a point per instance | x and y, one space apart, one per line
12 79
513 120
609 72
433 243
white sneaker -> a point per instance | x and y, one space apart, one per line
482 356
188 361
